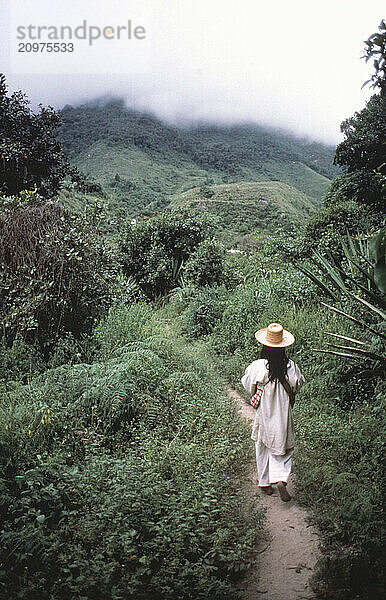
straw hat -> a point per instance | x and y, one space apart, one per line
274 336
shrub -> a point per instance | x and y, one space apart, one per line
204 311
239 319
324 231
154 250
19 361
339 475
56 274
118 478
205 265
122 324
70 350
362 186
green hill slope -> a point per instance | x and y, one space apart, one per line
249 208
137 180
141 162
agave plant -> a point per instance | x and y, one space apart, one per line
363 279
183 292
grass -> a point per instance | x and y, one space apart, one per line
249 208
297 175
153 178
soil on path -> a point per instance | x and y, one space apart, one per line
287 556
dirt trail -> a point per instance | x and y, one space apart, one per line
289 553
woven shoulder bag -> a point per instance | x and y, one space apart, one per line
255 400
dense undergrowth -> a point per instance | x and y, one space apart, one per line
119 476
339 419
120 465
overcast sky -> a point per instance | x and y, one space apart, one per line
293 64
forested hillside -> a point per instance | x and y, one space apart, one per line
141 161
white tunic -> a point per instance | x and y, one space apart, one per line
273 424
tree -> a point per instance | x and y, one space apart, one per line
365 135
361 185
205 266
365 132
324 230
56 275
362 152
30 154
376 50
153 251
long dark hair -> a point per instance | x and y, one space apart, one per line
278 362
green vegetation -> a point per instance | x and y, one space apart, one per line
375 50
153 251
355 200
325 229
205 265
122 457
30 153
57 275
365 134
141 162
247 209
362 185
118 480
339 416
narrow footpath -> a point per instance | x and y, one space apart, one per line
287 556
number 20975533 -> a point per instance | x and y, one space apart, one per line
46 47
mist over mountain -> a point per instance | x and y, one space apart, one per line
142 162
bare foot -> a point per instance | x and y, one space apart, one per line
284 495
267 489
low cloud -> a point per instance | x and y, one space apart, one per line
292 65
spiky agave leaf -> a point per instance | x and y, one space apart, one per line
371 307
316 280
331 272
378 250
356 277
344 354
358 286
355 320
365 353
347 339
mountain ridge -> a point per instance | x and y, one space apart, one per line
142 162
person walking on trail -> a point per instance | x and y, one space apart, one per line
274 379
